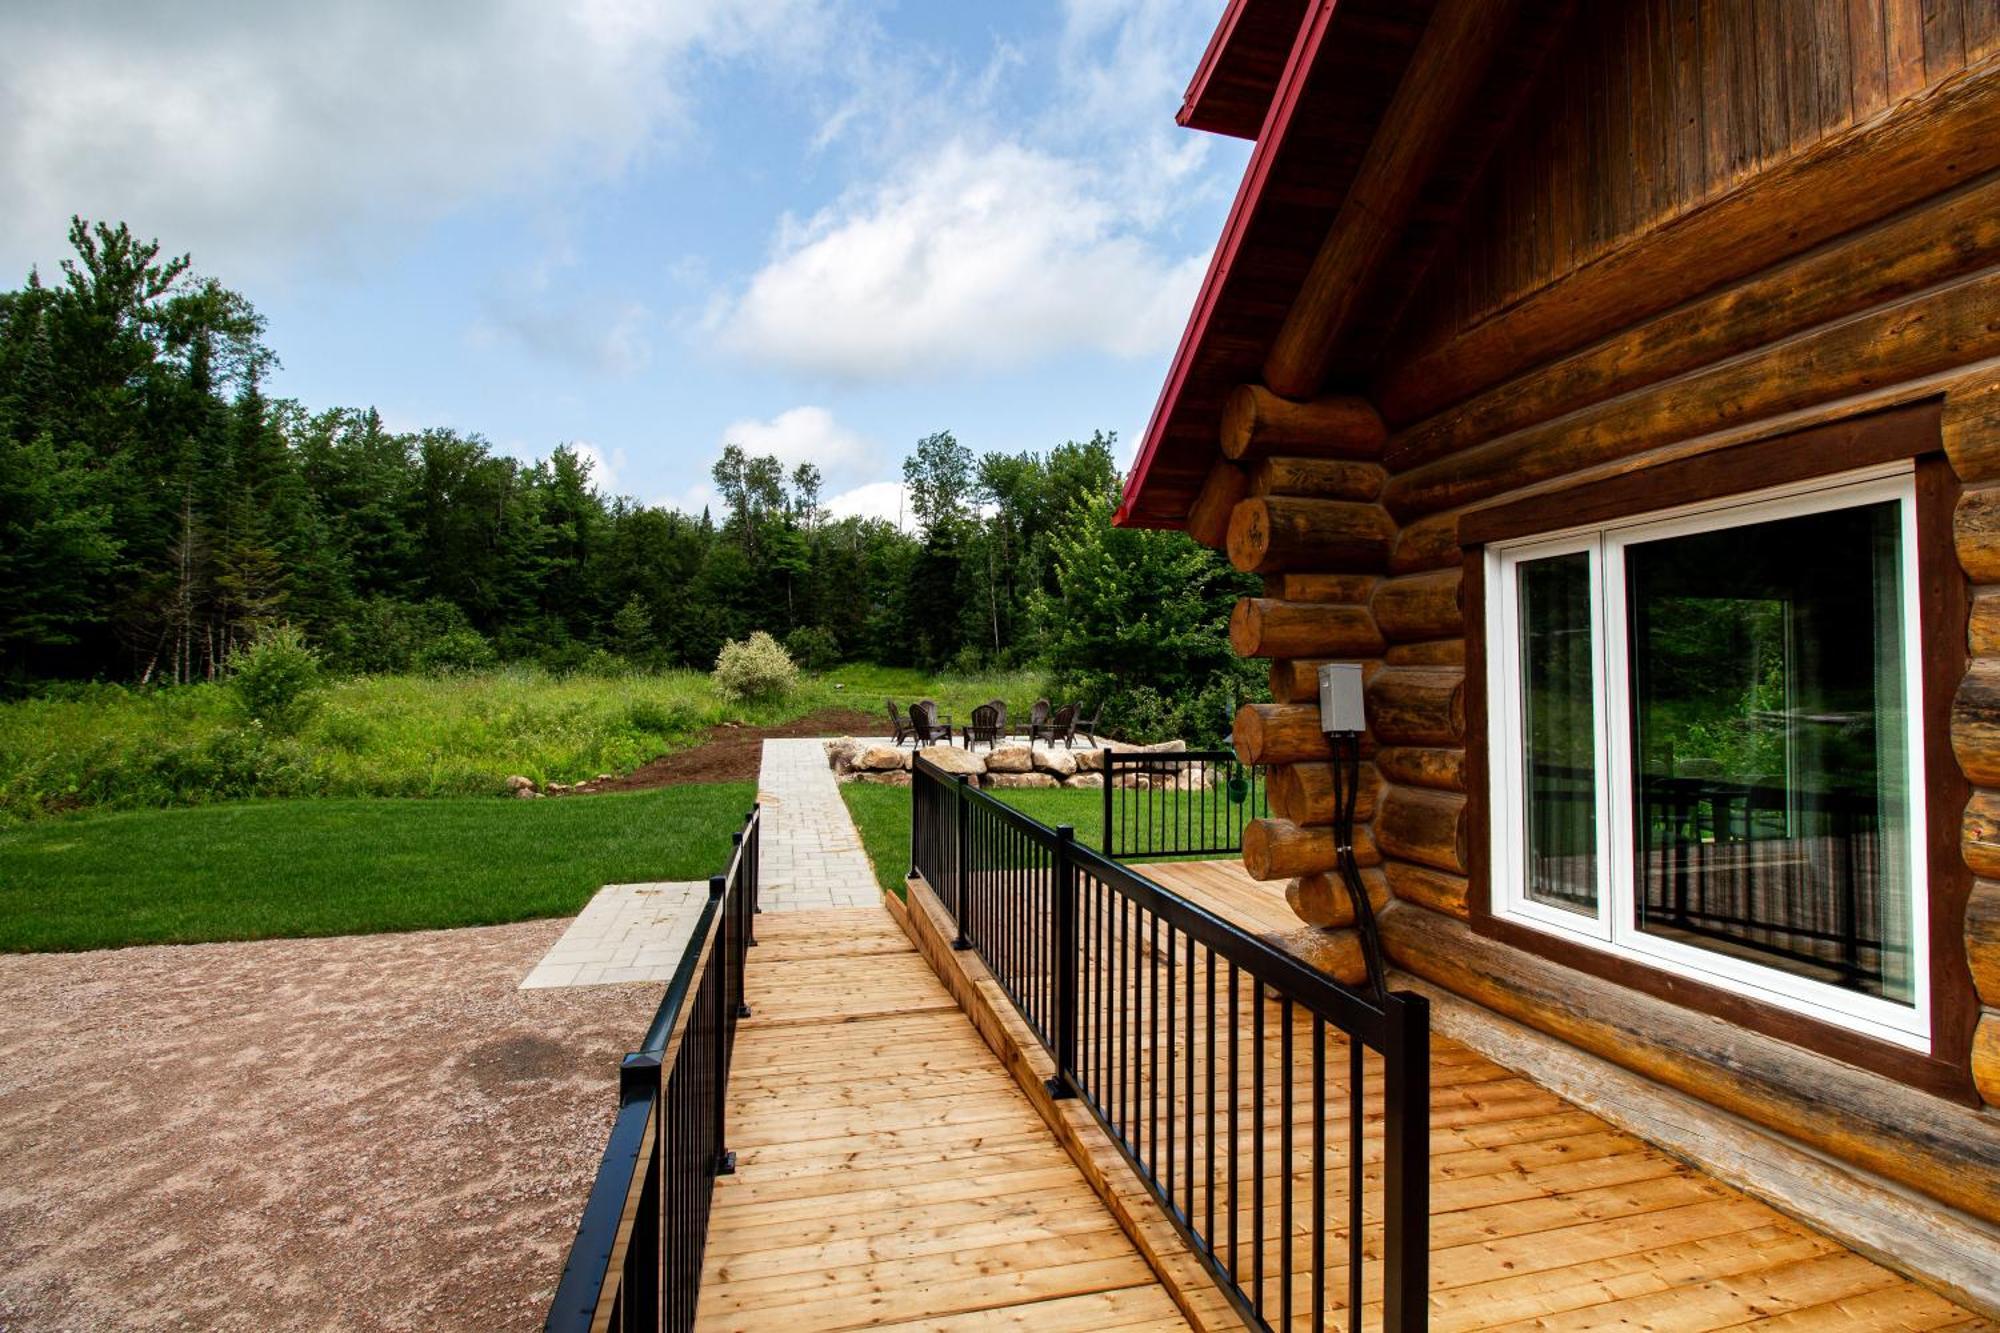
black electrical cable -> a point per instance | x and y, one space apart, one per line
1346 791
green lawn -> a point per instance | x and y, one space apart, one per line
883 816
264 869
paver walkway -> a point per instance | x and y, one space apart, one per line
626 932
811 854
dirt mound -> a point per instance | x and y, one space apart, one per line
732 754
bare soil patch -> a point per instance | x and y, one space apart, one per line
733 754
365 1132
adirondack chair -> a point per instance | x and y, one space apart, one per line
1062 726
1038 721
989 724
1087 728
903 729
928 725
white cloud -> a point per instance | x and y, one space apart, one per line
604 469
251 131
976 257
877 499
803 435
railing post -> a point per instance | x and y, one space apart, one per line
725 1161
1406 1209
640 1078
964 941
1063 960
1105 768
916 815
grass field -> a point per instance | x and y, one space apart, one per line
263 869
883 816
109 746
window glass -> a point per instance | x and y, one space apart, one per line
1559 731
1768 727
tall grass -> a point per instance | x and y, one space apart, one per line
112 746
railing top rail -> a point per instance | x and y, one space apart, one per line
1352 1012
1137 757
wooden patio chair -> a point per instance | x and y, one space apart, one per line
1087 728
1038 721
903 729
928 725
989 723
1062 726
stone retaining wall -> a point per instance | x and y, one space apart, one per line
1016 765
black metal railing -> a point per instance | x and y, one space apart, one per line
1187 1037
636 1260
1179 803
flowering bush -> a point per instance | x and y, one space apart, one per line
754 668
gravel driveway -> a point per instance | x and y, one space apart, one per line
366 1132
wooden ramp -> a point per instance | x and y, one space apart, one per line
889 1171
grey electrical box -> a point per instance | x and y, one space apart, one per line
1342 705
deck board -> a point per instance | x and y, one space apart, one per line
889 1172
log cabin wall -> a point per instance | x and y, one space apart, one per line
1717 226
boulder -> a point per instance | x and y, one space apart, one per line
518 784
1164 747
1009 759
1085 780
1089 761
1062 763
527 794
883 759
841 754
1021 780
954 760
897 778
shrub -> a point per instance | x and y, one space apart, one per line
277 678
813 647
753 668
455 653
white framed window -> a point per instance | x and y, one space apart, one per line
1706 749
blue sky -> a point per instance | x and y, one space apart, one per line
816 227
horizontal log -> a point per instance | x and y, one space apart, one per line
1980 837
1257 423
1424 887
1417 706
1280 849
1835 187
1982 632
1273 534
1318 478
1343 589
1296 681
1303 793
1427 827
1986 1057
1954 235
1324 900
1436 653
1429 543
1441 768
1982 940
1280 734
1949 1152
1421 606
1921 335
1975 724
1262 627
1335 952
1208 516
1975 531
1970 423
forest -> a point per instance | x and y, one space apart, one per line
159 509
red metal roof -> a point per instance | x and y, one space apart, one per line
1232 87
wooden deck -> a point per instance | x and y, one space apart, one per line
889 1172
1547 1217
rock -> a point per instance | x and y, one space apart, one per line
954 760
1009 759
883 759
841 754
518 784
1089 761
527 794
1085 780
1062 763
602 777
558 786
899 778
1021 780
1164 747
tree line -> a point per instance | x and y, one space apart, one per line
158 509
